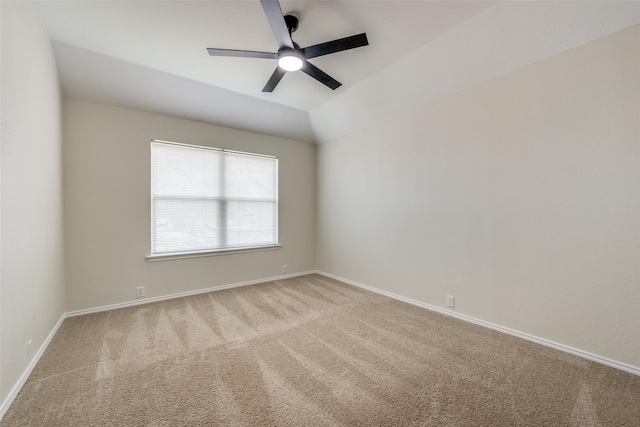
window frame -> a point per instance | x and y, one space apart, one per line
222 250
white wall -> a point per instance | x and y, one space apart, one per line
32 247
503 38
518 196
107 206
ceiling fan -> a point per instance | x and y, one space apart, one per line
290 56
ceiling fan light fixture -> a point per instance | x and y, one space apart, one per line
290 60
291 57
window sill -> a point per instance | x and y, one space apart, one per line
216 252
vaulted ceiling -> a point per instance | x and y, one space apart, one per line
151 55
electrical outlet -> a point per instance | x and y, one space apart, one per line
284 269
451 301
29 348
139 291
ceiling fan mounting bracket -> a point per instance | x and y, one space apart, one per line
292 23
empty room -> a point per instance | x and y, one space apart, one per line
320 213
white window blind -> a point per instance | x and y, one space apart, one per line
207 199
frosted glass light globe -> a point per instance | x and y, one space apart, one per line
290 63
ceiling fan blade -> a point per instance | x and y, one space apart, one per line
276 20
274 80
320 75
338 45
241 53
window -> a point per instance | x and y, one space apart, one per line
209 199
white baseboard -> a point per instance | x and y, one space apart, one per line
34 361
181 294
577 352
32 364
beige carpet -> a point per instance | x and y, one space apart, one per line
309 351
